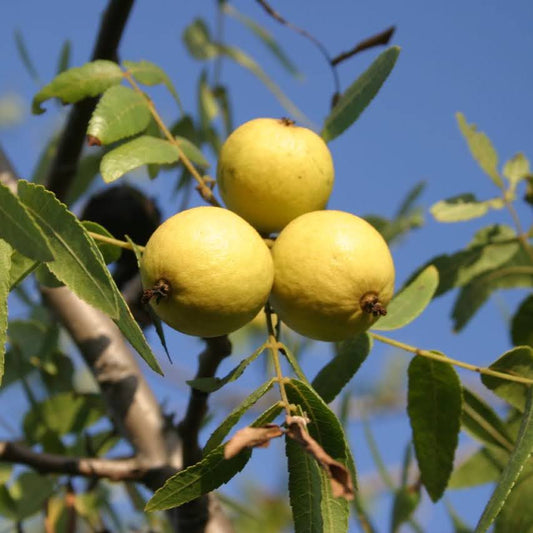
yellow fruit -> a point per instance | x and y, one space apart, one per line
271 171
333 275
206 271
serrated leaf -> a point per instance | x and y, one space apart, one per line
483 466
78 83
121 112
76 263
110 252
19 229
483 423
519 362
222 431
411 301
434 409
463 207
5 269
516 169
517 513
203 477
357 97
521 325
481 149
305 489
141 151
64 57
21 266
350 355
198 40
213 384
513 468
265 37
326 429
148 73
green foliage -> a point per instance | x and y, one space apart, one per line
521 330
434 408
110 252
5 268
357 97
463 207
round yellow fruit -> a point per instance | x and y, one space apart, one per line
206 271
333 275
271 171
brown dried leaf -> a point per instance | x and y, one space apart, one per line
339 477
249 437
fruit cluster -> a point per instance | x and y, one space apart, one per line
207 271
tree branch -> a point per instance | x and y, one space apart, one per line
65 163
376 40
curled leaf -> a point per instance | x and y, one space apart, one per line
250 437
339 476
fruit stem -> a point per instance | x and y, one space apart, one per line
203 188
273 346
114 242
445 359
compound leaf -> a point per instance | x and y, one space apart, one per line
434 408
410 301
78 83
120 113
357 97
141 151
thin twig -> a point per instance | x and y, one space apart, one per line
115 242
379 39
445 359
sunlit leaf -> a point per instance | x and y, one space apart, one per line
517 169
522 323
19 229
519 362
121 112
519 456
411 301
76 263
350 355
5 268
141 151
481 149
434 408
483 466
78 83
357 97
463 207
110 252
147 73
21 266
192 152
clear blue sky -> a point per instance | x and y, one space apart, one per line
473 57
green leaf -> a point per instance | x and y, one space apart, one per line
213 384
513 468
110 252
64 57
121 112
88 169
143 150
224 428
406 500
517 513
350 355
265 37
517 169
357 97
21 266
203 477
148 73
25 56
482 422
481 149
77 263
78 83
207 103
19 229
326 429
410 301
482 467
198 40
518 361
434 408
293 361
305 489
463 207
30 492
5 268
521 330
192 152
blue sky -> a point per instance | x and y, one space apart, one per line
473 57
